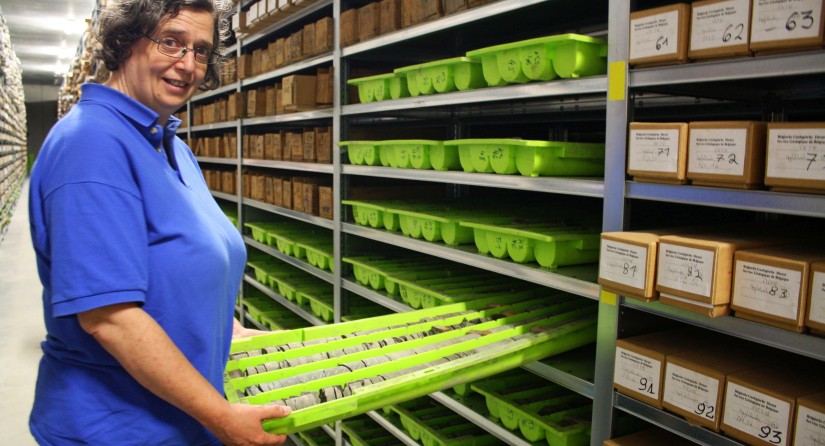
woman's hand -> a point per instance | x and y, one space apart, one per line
242 426
239 331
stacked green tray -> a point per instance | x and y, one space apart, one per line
410 153
539 409
443 76
316 437
529 157
431 350
364 431
290 287
384 213
380 87
319 297
362 152
319 254
260 229
550 243
383 273
542 59
433 424
430 293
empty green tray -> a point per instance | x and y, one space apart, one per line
410 153
432 424
444 76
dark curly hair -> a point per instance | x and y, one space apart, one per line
124 22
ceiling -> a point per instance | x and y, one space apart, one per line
45 35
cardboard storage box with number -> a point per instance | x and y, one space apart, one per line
815 317
659 36
727 154
787 25
770 285
640 360
657 152
694 380
627 263
720 28
796 157
695 272
809 428
760 404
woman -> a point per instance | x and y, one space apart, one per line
139 267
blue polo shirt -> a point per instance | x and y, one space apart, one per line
111 222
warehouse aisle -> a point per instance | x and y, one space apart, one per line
21 327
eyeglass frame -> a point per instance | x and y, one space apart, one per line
211 57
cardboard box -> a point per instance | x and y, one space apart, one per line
657 152
720 29
786 25
244 66
695 272
236 106
796 157
770 285
640 361
271 101
298 92
308 40
410 13
269 185
309 145
368 21
389 13
815 317
279 99
627 263
295 145
452 6
431 10
286 188
694 380
660 36
298 194
280 52
323 145
256 102
649 437
324 34
323 86
727 154
809 427
294 47
325 204
760 404
273 146
258 147
277 191
246 146
310 197
349 27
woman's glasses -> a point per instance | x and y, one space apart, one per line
172 48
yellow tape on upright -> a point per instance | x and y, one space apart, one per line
606 297
617 81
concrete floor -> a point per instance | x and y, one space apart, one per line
21 327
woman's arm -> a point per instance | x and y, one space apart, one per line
145 350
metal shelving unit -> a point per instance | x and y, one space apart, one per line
610 98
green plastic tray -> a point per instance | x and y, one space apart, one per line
435 425
316 437
542 59
540 410
550 243
410 153
364 431
320 299
373 88
362 152
319 255
444 76
561 159
508 342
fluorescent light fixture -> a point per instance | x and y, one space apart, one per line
49 23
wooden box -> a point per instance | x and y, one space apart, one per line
368 21
349 27
389 13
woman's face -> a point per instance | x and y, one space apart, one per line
161 82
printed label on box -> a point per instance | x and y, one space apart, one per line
810 427
768 289
691 391
757 414
637 372
785 19
817 298
623 263
654 35
654 150
686 269
717 151
719 25
796 153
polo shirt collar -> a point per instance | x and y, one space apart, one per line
143 118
